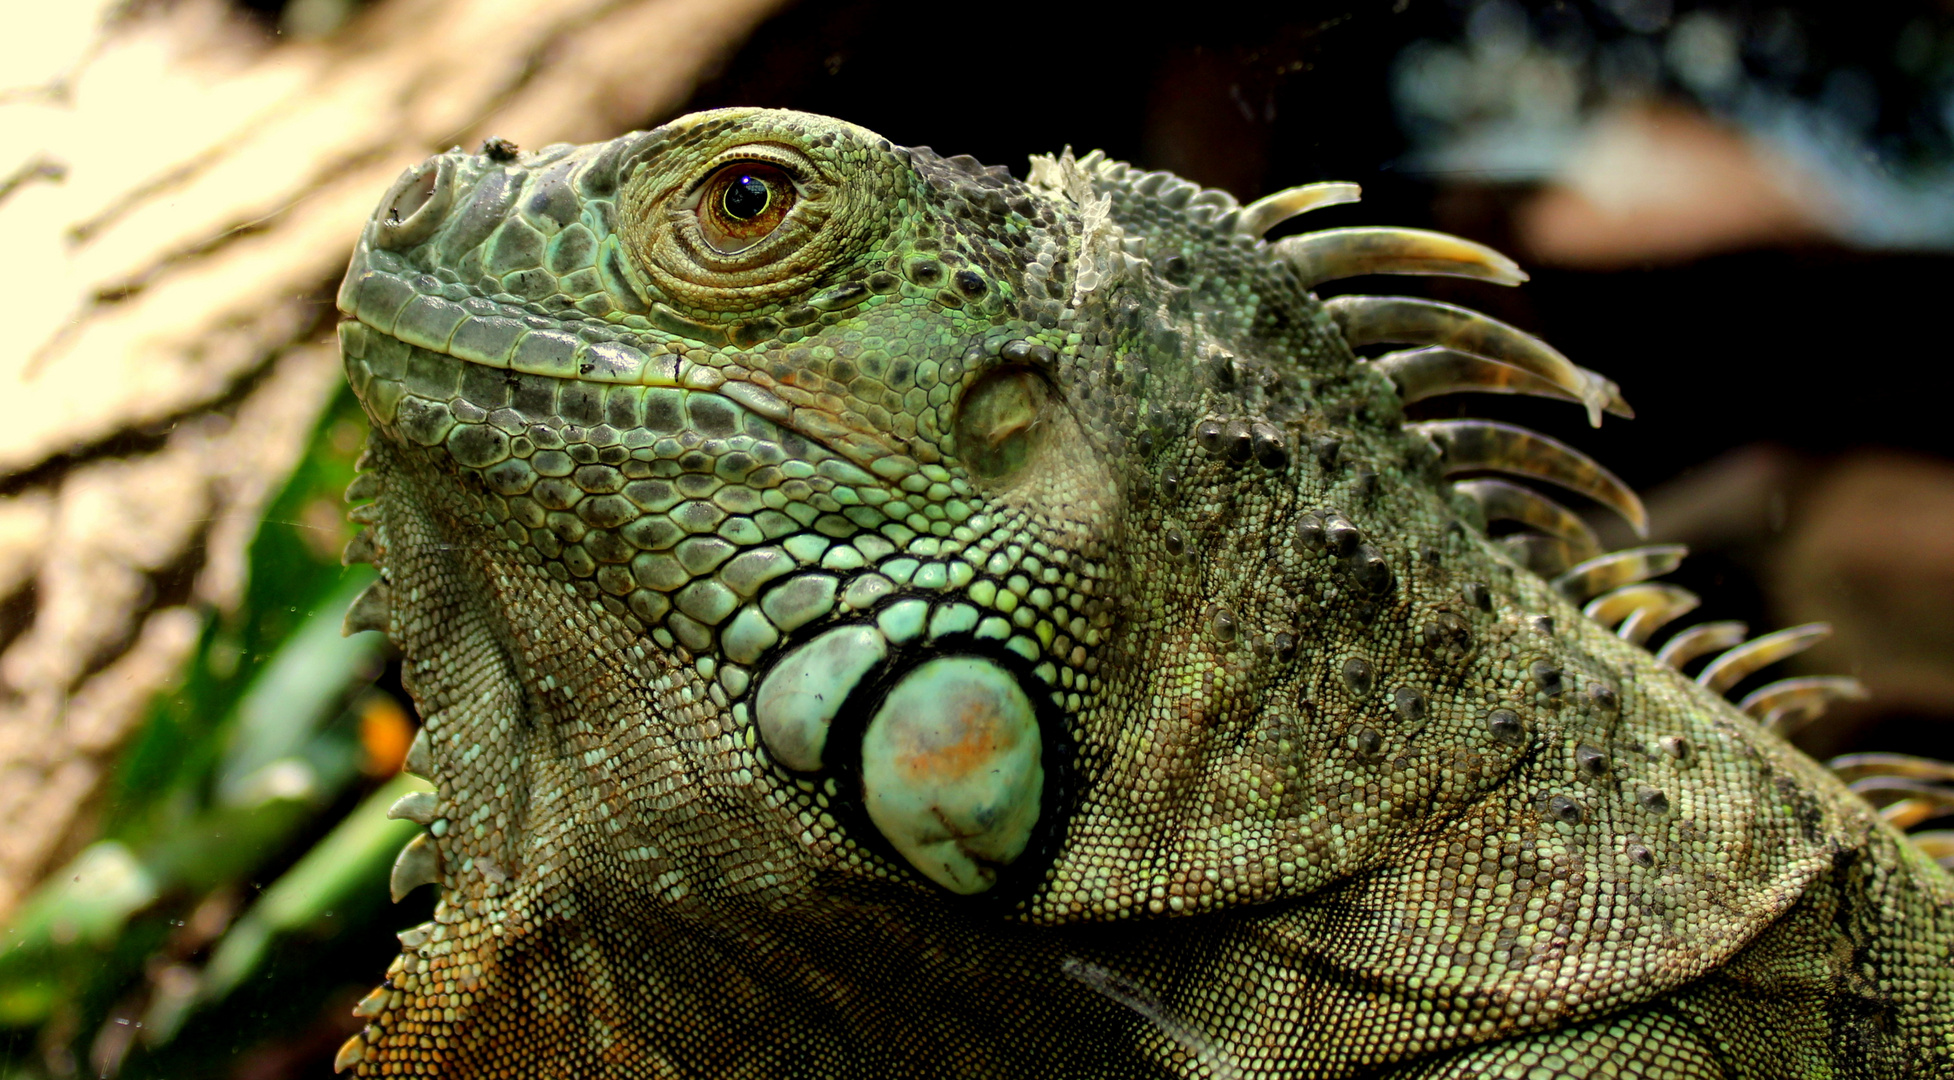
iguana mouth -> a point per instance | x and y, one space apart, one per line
385 295
651 492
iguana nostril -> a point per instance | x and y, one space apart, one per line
412 195
416 205
953 772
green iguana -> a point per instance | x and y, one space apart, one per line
874 616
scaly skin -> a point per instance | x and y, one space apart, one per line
1217 795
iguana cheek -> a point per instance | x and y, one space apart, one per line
952 771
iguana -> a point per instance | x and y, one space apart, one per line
875 616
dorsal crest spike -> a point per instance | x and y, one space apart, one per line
1701 640
1545 555
1789 703
1437 370
1490 446
1659 605
1617 568
1269 211
1411 320
1330 254
1740 662
1503 500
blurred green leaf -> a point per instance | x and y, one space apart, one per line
356 855
249 770
302 687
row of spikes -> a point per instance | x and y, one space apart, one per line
1909 791
1616 592
419 861
1460 350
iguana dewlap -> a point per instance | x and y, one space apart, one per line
874 616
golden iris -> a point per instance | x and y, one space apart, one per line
743 203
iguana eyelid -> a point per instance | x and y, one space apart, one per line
797 168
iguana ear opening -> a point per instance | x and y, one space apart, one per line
1017 440
1002 422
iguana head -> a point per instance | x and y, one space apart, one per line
780 524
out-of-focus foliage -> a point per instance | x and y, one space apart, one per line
245 830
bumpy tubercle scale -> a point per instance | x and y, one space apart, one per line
1316 788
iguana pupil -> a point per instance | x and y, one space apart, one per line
746 197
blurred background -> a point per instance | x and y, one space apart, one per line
1742 212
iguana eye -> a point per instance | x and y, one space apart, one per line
1001 422
743 203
